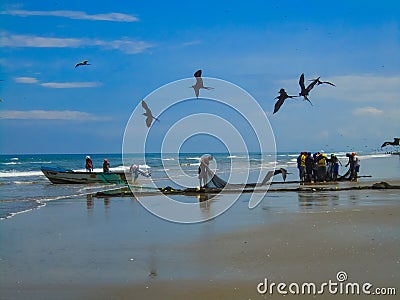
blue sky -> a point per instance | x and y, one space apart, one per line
135 47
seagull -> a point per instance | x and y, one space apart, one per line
84 63
148 114
396 142
281 98
306 90
282 171
322 82
199 83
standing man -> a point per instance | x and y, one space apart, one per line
204 169
89 164
301 165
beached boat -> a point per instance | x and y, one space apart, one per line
62 175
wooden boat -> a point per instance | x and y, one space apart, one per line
62 175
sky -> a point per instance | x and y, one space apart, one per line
137 47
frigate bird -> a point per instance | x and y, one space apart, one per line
396 142
281 99
282 171
322 82
83 63
306 90
148 114
199 83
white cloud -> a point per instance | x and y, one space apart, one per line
78 15
69 85
20 41
28 80
191 43
69 115
368 110
124 45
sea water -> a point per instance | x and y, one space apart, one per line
23 187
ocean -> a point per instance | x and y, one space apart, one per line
23 187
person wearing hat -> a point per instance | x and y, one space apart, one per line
106 166
135 171
89 164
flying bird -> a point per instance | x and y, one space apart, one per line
148 114
322 82
282 171
83 63
396 142
281 99
306 90
199 83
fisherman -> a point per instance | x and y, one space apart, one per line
309 167
106 166
321 160
334 167
135 171
301 165
89 164
204 170
350 163
356 163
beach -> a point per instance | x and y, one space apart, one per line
112 248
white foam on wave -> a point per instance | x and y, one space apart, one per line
20 174
194 158
377 155
11 163
235 156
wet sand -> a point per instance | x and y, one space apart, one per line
117 250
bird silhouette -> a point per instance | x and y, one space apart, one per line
199 83
83 63
322 82
281 99
282 171
148 114
305 91
396 142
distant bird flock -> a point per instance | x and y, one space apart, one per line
304 91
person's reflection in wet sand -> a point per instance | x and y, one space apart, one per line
89 202
106 202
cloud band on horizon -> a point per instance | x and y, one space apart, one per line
124 45
77 15
66 115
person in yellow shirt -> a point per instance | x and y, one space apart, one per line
301 165
321 161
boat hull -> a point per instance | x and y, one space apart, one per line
65 176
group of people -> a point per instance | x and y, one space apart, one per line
134 169
318 167
89 165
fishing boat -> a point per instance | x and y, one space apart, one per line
69 176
